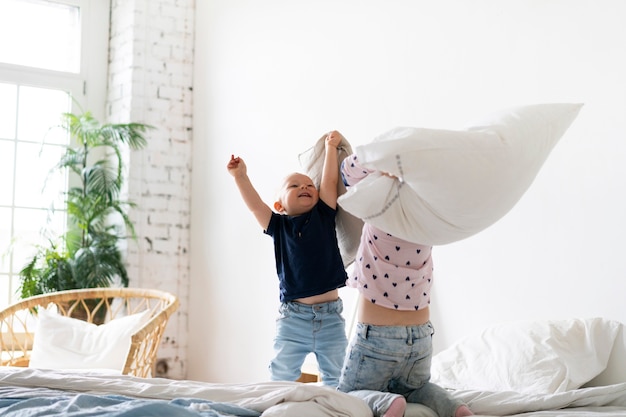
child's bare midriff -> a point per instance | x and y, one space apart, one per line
370 313
332 295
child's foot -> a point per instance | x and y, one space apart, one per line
463 411
397 408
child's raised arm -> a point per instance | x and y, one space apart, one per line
261 211
330 172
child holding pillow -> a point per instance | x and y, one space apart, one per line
310 271
392 348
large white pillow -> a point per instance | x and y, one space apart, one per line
454 184
530 357
66 343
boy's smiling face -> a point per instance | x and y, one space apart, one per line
298 195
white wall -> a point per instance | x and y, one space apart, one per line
271 77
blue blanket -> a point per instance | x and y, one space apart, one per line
83 405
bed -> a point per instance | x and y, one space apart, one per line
538 368
27 391
574 367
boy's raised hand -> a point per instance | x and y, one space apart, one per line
334 138
236 166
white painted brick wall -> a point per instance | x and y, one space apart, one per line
150 80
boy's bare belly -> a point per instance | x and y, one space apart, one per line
332 295
370 313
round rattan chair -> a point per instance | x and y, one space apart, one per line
18 322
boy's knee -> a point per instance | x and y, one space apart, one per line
283 372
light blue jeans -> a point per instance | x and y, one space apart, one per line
302 329
395 359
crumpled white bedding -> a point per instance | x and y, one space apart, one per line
607 400
604 401
537 368
529 356
282 399
271 399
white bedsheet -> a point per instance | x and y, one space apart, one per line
272 399
605 401
512 403
283 399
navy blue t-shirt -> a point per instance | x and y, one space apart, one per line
308 261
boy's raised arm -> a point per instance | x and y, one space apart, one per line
261 211
330 171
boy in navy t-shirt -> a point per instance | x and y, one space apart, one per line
308 264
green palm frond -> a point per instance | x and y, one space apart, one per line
99 178
130 134
72 159
89 255
99 265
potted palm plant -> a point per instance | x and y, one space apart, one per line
88 255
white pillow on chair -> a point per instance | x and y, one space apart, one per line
67 343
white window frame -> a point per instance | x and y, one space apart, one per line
88 87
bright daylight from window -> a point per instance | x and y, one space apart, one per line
44 46
40 34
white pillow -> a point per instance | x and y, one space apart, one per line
455 183
66 343
530 357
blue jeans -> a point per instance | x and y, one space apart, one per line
302 329
395 359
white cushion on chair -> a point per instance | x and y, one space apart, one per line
67 343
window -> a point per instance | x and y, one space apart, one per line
48 34
26 155
43 73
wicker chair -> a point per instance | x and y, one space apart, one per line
94 305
